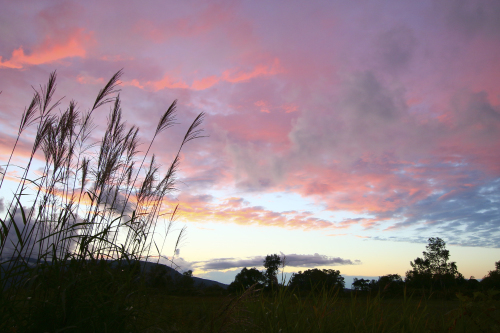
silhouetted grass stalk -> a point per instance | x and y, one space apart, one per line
75 210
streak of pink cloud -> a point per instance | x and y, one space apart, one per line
49 51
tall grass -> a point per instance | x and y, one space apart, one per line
77 228
326 310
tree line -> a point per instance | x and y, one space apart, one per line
434 272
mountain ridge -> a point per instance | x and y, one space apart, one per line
146 267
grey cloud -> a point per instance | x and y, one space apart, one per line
476 115
205 198
395 48
373 120
313 260
255 167
473 16
292 260
366 96
228 263
115 200
205 179
468 216
31 244
364 107
366 116
178 263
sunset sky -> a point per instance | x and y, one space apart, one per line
342 134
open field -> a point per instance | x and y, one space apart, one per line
286 312
101 298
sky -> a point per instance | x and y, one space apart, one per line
340 134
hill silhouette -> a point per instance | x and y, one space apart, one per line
146 267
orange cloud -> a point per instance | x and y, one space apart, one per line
167 82
272 128
346 223
290 108
86 79
239 75
23 149
134 83
236 210
205 83
232 76
372 192
264 107
49 52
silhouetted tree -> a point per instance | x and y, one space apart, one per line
185 283
361 284
159 277
433 270
391 283
316 279
492 279
272 264
247 278
472 284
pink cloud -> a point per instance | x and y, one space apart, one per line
240 75
232 76
205 83
201 21
86 79
176 81
50 51
167 82
263 106
290 108
379 122
23 149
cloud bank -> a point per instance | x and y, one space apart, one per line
389 112
291 260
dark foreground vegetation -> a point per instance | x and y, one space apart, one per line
103 298
78 254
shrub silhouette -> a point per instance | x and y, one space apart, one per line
247 278
317 279
492 279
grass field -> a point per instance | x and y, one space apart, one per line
117 307
324 312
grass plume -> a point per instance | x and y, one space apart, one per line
79 226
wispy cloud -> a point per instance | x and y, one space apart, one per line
236 210
291 260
